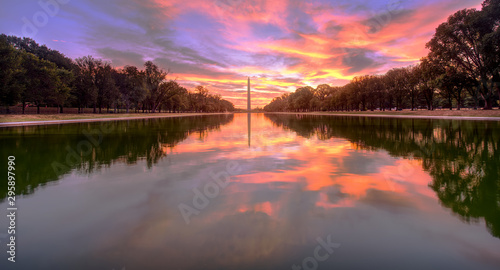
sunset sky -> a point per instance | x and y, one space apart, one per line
280 44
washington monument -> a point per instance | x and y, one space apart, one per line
248 96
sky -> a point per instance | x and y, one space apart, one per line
280 44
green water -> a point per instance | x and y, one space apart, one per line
262 192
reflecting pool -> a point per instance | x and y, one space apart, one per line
260 191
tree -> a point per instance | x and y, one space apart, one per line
30 46
227 106
85 89
62 91
359 92
10 68
379 93
278 104
199 98
154 76
107 91
321 94
414 77
167 90
300 100
132 86
429 73
37 74
490 44
452 83
397 83
178 101
459 42
41 80
446 88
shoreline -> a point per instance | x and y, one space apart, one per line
414 116
168 115
103 119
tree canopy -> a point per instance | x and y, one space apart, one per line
35 75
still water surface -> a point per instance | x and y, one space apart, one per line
262 192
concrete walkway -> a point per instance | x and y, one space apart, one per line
56 122
444 117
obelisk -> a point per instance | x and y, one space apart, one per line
248 96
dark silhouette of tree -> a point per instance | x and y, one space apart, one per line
414 73
107 91
397 84
154 77
179 101
452 84
85 89
490 44
132 86
322 92
300 100
10 71
44 82
34 74
460 42
30 46
62 93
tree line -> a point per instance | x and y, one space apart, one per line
35 75
462 69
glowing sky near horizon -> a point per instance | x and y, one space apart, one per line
280 44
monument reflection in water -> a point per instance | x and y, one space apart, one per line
387 193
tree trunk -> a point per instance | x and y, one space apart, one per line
485 94
458 98
61 109
38 109
498 90
24 105
488 104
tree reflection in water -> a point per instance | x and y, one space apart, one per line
42 151
461 156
